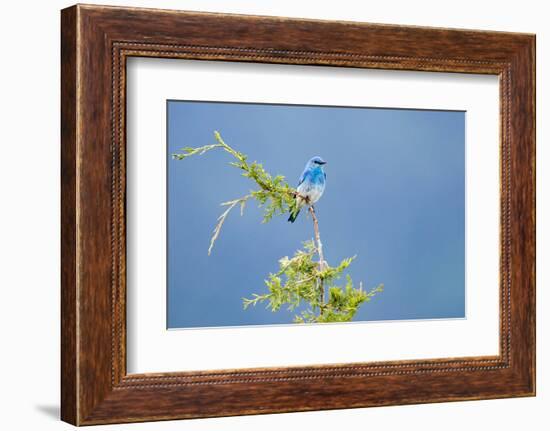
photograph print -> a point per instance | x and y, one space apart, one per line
299 214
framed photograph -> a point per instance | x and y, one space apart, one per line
265 215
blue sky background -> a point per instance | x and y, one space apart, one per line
394 197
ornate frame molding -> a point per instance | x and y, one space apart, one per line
96 41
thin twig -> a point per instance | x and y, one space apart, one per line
320 252
221 219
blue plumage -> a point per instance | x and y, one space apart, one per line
311 185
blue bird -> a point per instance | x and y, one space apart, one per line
311 186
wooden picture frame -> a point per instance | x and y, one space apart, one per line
95 43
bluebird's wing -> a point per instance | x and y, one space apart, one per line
303 176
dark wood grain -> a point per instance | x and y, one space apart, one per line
96 41
69 368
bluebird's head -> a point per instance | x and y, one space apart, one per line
315 162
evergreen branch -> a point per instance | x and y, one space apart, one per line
188 151
298 281
273 193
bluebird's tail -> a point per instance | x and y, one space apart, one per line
293 215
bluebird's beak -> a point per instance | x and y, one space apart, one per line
317 161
